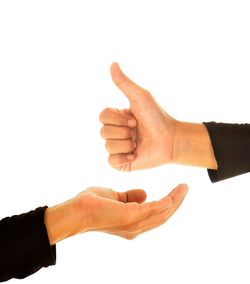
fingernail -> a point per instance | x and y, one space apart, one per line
130 157
132 123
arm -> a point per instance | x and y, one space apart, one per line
221 147
231 145
193 146
145 136
27 241
24 245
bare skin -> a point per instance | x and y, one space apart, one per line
145 136
124 214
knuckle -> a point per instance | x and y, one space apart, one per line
115 162
104 113
108 109
108 145
103 132
127 132
112 161
131 143
101 115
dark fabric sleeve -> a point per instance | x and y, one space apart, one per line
231 145
24 245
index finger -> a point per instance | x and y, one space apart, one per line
116 117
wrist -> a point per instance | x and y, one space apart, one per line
61 221
192 146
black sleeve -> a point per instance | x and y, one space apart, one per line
24 245
231 145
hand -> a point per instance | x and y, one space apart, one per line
145 136
101 209
139 137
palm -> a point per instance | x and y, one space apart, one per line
101 203
154 132
124 213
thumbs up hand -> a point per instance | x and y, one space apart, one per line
142 136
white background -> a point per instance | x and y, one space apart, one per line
54 80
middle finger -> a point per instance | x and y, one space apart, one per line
116 132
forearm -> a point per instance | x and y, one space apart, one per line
192 146
231 145
24 245
63 221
